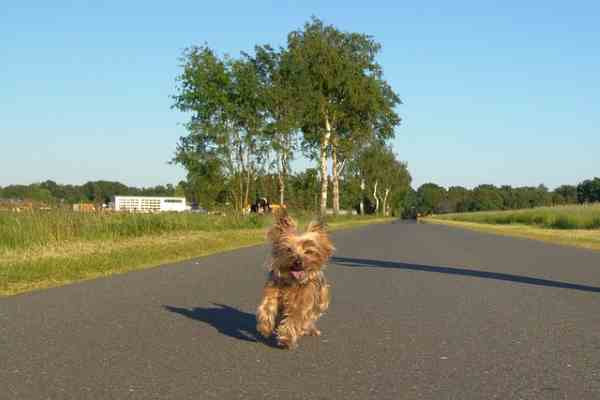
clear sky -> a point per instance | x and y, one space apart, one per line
494 92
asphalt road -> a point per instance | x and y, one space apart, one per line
418 312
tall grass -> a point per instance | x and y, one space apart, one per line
585 216
42 228
49 249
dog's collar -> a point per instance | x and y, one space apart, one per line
276 278
273 277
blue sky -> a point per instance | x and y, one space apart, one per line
494 92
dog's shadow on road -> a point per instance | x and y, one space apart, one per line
519 279
227 320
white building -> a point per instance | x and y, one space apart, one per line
148 204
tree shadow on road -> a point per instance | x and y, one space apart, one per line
227 320
357 262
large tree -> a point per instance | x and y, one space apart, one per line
280 111
223 97
340 93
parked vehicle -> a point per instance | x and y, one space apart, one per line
196 208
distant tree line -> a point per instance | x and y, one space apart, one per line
364 183
432 198
50 192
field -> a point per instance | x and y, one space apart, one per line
42 249
560 217
575 225
39 229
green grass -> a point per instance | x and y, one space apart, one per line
577 226
34 229
559 217
47 249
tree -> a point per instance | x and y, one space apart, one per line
279 110
588 191
180 190
365 168
567 193
367 108
206 181
104 191
523 197
458 199
340 93
305 191
395 181
486 197
398 187
410 204
377 170
226 125
430 197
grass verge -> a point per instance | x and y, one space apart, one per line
57 264
584 238
581 216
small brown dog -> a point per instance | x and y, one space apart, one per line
296 293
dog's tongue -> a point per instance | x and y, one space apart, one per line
297 274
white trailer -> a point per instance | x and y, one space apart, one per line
149 204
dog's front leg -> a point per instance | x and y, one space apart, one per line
289 331
323 297
298 319
267 311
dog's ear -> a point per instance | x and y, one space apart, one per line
317 226
284 225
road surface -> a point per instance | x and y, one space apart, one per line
418 312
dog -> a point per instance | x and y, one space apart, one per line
296 293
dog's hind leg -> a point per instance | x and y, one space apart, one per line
267 311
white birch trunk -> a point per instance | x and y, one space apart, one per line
336 181
323 158
376 198
362 196
385 205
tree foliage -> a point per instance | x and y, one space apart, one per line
223 96
432 198
588 191
378 179
99 192
341 94
248 115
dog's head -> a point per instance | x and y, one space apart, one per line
298 256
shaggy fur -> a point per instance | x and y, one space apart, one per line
296 293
